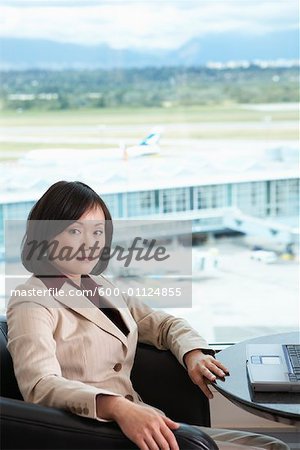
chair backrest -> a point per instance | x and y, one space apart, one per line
156 375
8 383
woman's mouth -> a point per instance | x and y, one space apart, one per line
86 259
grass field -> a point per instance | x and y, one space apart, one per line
119 116
103 128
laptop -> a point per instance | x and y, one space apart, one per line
273 367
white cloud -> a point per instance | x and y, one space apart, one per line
145 24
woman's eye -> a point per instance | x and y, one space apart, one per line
74 231
98 232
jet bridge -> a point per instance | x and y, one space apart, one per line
273 230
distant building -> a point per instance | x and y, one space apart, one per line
166 186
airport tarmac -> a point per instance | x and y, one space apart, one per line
244 298
248 299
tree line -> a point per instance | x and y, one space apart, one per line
147 87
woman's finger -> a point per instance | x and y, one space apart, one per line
170 437
207 373
215 369
220 365
170 423
156 441
143 446
205 389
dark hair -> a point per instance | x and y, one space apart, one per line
64 201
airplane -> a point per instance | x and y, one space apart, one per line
148 146
53 157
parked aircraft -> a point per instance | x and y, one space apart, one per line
52 157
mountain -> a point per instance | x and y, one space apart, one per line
32 53
222 47
231 46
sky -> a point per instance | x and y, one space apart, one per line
163 24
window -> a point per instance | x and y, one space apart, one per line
164 121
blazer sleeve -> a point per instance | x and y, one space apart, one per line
32 346
165 331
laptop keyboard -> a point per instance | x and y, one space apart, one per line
294 355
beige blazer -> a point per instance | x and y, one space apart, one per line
66 351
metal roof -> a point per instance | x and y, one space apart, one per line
22 182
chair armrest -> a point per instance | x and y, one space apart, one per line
30 426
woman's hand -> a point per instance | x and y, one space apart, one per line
203 368
148 429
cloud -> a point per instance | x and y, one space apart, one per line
144 24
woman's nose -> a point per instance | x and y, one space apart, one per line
89 242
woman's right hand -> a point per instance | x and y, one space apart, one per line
144 426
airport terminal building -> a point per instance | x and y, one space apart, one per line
216 197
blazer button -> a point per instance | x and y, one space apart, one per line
118 367
129 397
79 410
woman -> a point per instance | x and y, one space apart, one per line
76 352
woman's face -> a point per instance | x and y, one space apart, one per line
79 246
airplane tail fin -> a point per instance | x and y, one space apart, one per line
151 139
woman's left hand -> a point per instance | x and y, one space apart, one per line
203 369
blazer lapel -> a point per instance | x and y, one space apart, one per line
116 301
83 306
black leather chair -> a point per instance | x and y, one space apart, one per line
157 376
